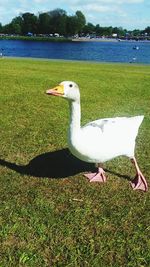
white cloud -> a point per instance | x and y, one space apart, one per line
104 9
40 1
129 1
97 8
85 2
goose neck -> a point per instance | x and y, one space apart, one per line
75 115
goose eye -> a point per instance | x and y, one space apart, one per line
70 85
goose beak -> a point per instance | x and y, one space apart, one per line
56 91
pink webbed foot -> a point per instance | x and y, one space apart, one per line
97 176
139 183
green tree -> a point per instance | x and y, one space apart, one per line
136 32
44 23
99 30
16 25
89 28
29 23
58 21
71 25
62 24
1 28
147 30
7 29
109 31
119 31
122 32
81 21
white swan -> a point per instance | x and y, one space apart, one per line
100 140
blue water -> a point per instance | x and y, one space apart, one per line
90 51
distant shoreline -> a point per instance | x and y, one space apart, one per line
65 39
36 38
84 39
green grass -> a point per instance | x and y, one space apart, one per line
50 214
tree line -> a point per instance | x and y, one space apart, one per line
57 21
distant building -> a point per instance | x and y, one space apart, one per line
114 35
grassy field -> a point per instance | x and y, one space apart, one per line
50 214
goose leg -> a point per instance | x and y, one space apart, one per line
139 181
98 176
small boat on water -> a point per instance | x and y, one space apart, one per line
133 60
136 47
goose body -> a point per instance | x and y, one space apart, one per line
105 139
100 140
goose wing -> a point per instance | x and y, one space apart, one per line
118 123
102 124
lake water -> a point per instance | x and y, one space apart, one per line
90 51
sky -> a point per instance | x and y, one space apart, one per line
129 14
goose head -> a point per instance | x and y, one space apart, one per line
66 89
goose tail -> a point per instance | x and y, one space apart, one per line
135 124
139 120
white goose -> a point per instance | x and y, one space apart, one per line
100 140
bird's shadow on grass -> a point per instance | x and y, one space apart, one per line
57 164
